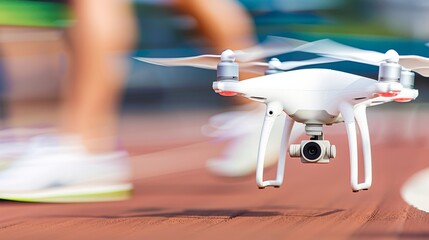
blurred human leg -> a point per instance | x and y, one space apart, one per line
226 24
81 162
100 39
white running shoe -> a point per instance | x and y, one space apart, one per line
242 130
59 169
415 191
14 142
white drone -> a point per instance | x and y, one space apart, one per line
314 97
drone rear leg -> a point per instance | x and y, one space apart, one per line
273 111
361 119
349 114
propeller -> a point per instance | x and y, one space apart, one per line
274 63
332 49
201 61
270 47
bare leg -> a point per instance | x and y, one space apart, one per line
227 25
224 22
103 31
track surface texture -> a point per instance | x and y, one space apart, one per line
176 198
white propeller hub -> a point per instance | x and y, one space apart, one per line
392 56
274 63
227 55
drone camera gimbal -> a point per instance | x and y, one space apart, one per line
315 150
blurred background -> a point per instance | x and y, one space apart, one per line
33 63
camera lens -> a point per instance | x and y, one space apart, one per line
312 151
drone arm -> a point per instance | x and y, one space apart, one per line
274 110
349 114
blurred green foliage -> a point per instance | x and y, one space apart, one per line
34 13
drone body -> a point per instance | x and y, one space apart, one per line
307 95
314 97
317 97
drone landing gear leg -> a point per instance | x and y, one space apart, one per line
360 115
273 111
349 114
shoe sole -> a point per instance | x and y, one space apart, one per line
74 194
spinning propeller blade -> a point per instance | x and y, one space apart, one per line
329 48
254 67
333 49
422 71
416 63
261 67
202 61
270 47
294 64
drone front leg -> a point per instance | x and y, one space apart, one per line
347 111
361 119
273 111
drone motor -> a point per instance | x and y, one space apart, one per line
389 72
407 79
227 70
